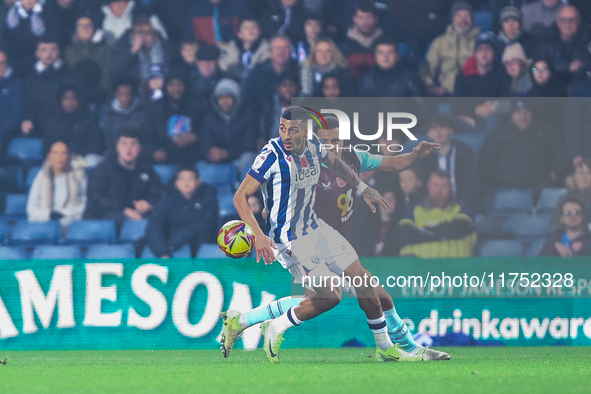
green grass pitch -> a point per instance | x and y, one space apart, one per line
471 370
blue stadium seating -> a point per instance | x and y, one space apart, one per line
502 247
210 251
183 253
35 233
12 253
489 226
132 230
31 176
27 150
164 171
534 247
548 199
222 176
226 206
3 232
87 232
512 201
484 20
56 252
16 206
98 252
527 227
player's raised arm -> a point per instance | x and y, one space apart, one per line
343 171
405 161
263 244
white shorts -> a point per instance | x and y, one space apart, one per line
323 252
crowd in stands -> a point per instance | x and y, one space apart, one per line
117 91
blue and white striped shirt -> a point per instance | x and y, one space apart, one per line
289 188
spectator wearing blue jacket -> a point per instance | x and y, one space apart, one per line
188 214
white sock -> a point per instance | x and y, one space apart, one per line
380 332
285 321
243 321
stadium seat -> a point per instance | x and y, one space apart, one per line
16 206
164 171
527 227
91 232
226 206
98 252
132 231
31 176
489 226
35 233
11 253
534 247
3 232
55 252
210 251
473 140
27 150
502 247
511 201
484 20
222 176
183 253
548 199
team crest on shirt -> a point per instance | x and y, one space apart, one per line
341 182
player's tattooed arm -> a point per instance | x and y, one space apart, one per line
404 161
343 171
263 243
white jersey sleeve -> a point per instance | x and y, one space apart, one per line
263 166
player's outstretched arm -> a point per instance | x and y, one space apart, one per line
404 161
263 244
343 171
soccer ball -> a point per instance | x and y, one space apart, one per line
236 239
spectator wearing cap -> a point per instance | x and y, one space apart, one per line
288 87
118 17
566 45
482 75
207 75
154 84
325 57
229 132
284 17
214 21
124 110
539 15
361 37
522 153
573 239
512 31
389 77
58 191
12 101
450 51
261 83
42 85
171 124
89 44
27 21
454 157
187 214
239 56
517 66
137 49
312 30
124 185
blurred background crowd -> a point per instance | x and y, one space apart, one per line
125 125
